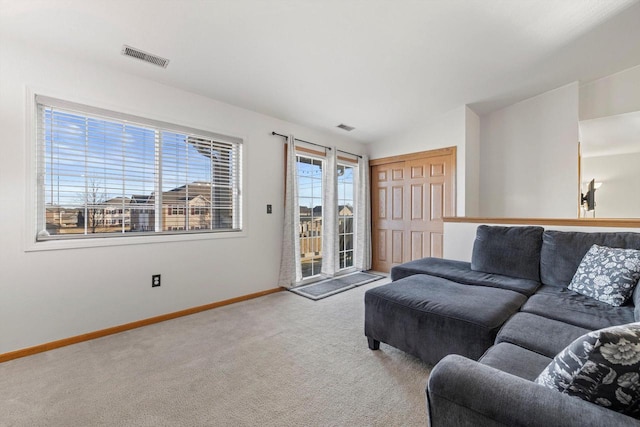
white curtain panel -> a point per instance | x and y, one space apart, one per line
330 215
363 216
290 270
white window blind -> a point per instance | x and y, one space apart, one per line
103 173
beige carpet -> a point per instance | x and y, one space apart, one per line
279 360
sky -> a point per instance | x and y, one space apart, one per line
310 183
85 155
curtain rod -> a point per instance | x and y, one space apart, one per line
318 145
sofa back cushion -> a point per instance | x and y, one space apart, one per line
635 298
510 251
562 252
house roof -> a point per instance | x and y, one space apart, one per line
380 66
317 210
117 201
188 192
142 198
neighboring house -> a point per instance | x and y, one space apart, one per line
310 229
143 217
190 207
58 217
187 207
345 210
305 212
192 210
115 212
110 215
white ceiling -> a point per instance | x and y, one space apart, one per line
380 66
606 136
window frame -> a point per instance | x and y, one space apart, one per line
347 162
321 157
33 201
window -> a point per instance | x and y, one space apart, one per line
177 210
199 211
103 173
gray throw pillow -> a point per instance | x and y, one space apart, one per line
607 274
510 251
602 367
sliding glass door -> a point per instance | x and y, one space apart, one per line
346 202
310 228
311 187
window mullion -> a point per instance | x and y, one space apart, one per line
211 192
158 189
124 178
41 169
235 177
86 174
186 175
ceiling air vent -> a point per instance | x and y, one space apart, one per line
144 56
346 127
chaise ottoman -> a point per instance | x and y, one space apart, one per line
431 317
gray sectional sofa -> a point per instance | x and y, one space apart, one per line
493 325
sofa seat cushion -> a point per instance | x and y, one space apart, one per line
540 334
515 360
551 290
576 309
510 251
431 317
460 271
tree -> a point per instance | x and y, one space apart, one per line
93 200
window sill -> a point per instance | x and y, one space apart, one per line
98 242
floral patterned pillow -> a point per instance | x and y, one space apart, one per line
607 274
602 367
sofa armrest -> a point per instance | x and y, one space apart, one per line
462 392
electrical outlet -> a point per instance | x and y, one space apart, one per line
269 209
155 280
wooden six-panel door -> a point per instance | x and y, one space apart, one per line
409 199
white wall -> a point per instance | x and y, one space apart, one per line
51 295
529 157
614 94
620 177
447 130
472 163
